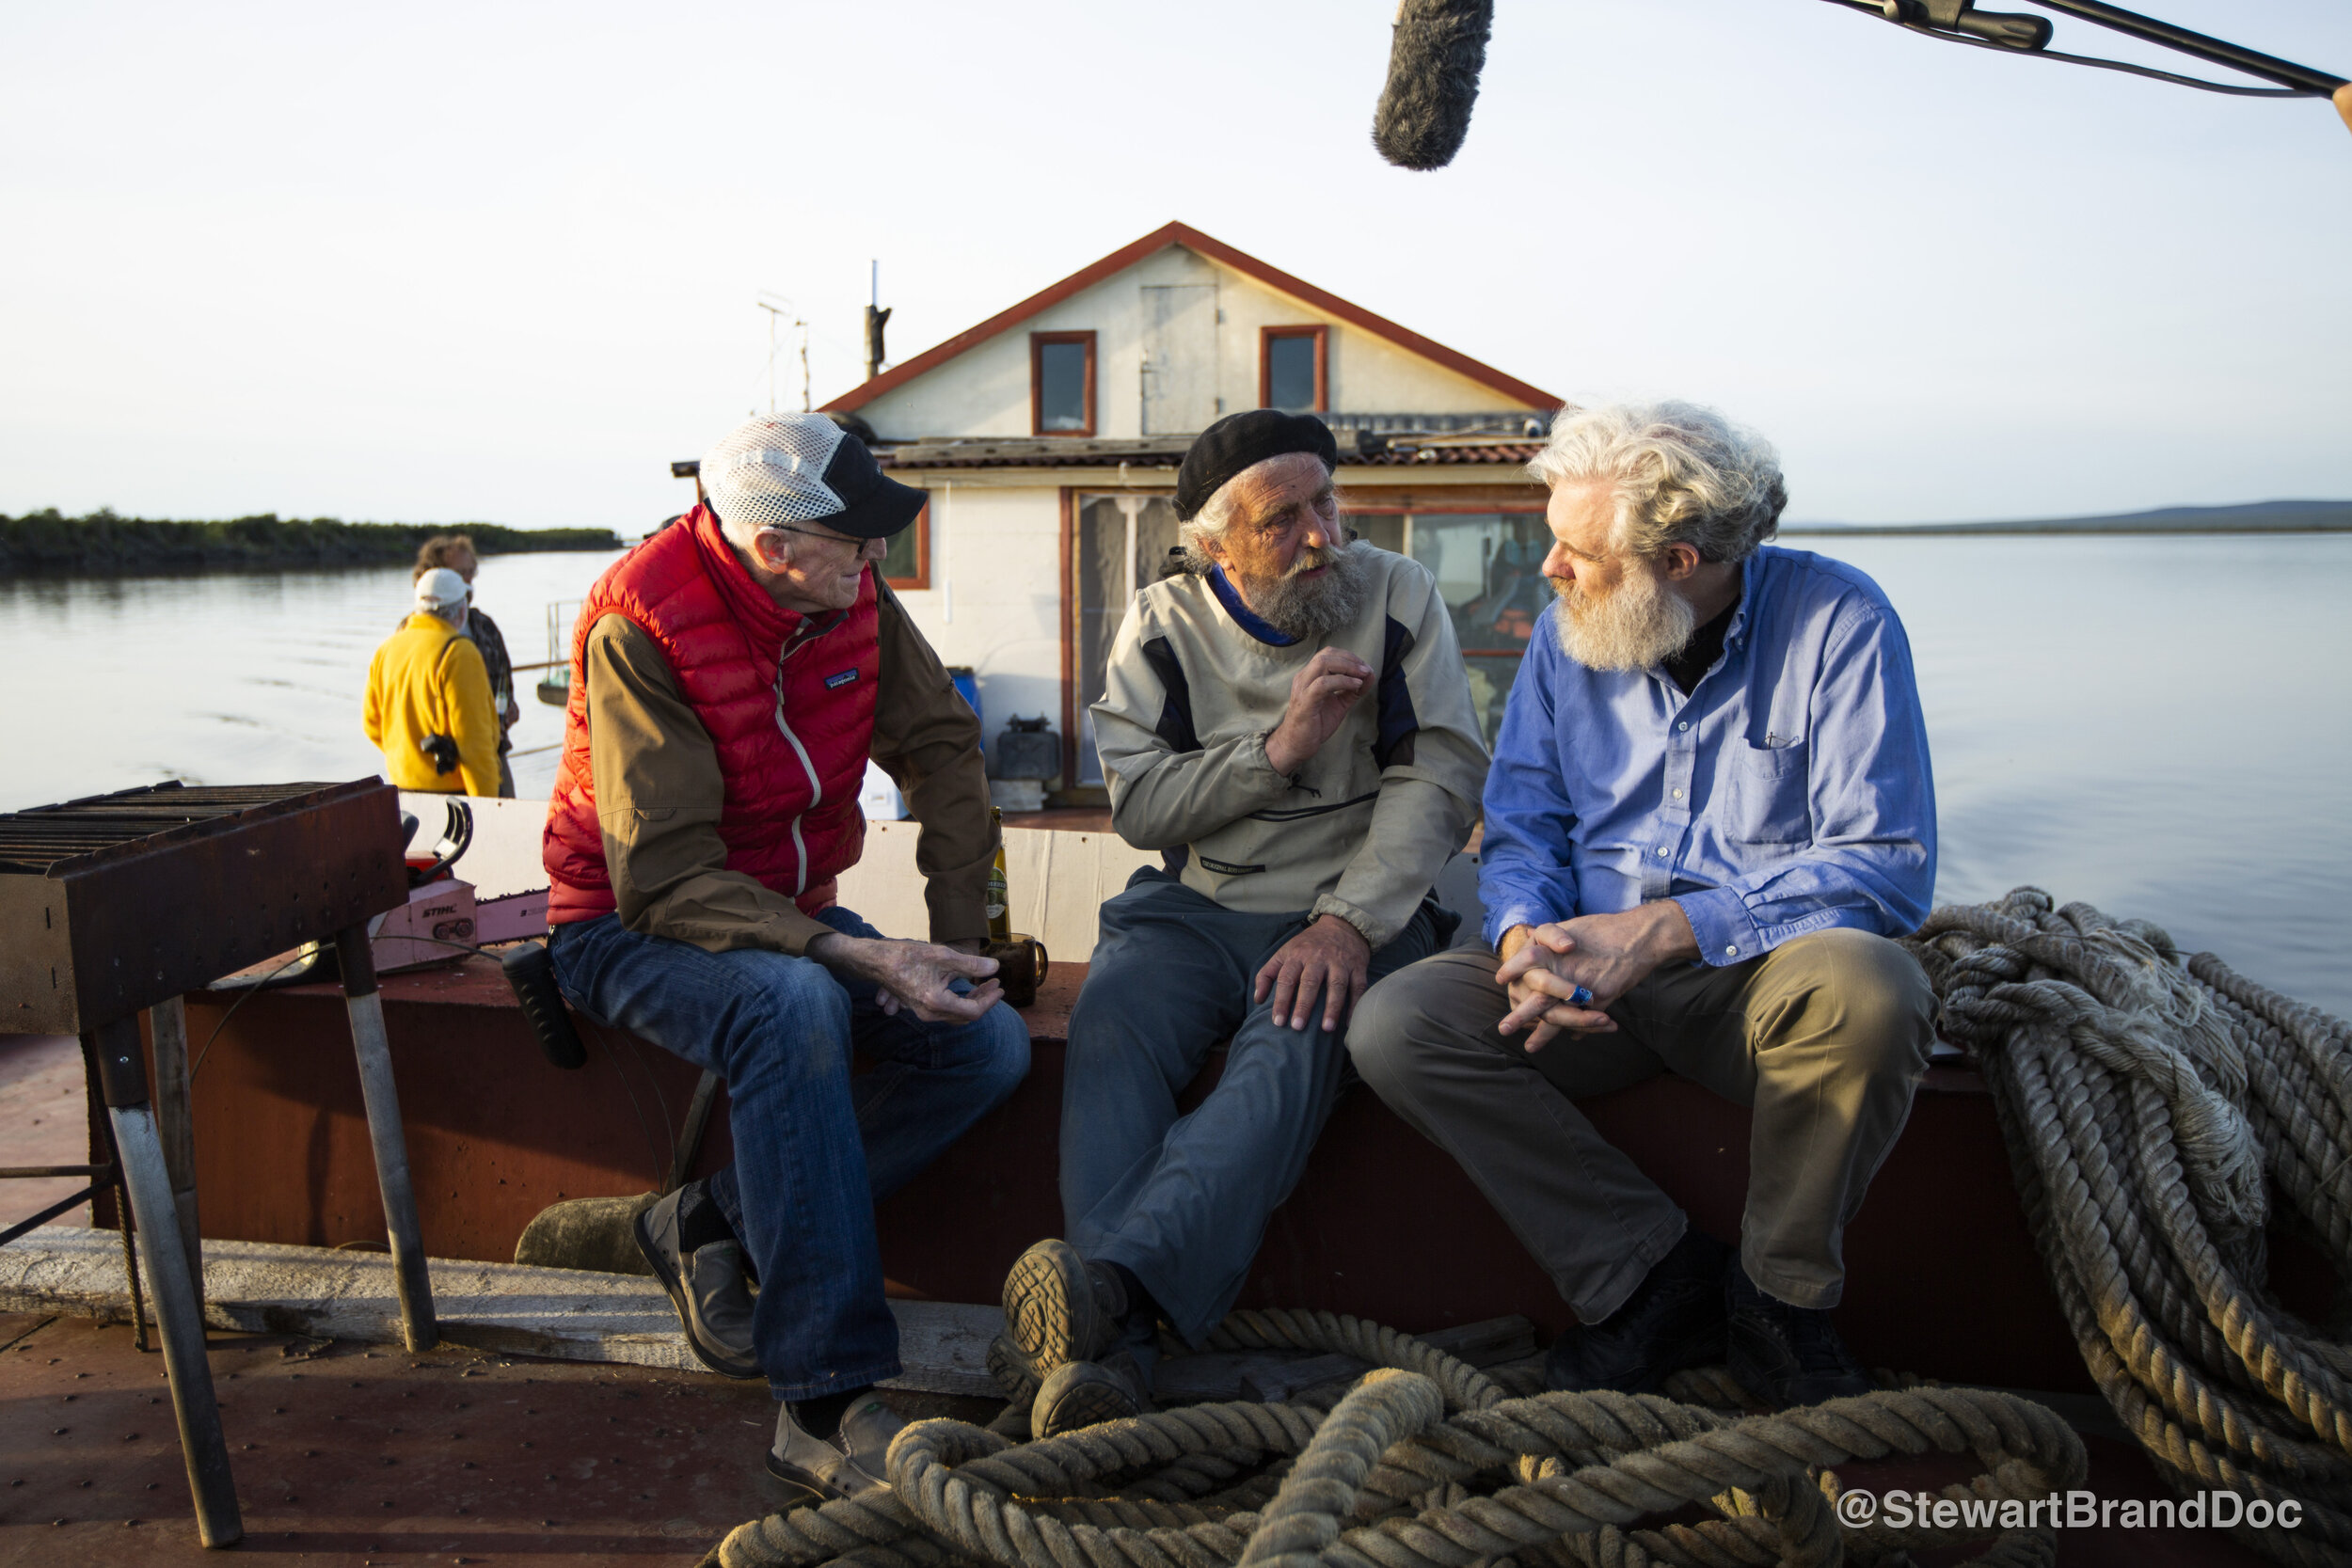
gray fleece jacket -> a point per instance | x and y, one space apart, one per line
1363 828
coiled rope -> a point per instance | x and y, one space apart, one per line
1426 1463
2150 1108
2144 1101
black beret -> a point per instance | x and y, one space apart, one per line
1239 441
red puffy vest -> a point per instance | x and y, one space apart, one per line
789 701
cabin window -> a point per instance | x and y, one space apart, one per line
1292 370
1489 567
1117 547
907 563
1382 530
1061 383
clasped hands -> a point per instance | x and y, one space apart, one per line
1603 956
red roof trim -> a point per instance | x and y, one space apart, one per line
1215 250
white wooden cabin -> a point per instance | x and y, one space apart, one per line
1048 436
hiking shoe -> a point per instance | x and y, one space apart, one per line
851 1462
1786 1356
1087 1393
707 1286
1672 1320
1059 1308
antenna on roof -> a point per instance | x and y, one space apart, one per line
876 318
777 308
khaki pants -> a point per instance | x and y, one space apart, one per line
1825 1037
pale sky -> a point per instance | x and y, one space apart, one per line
499 263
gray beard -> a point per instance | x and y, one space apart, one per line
1637 627
1307 610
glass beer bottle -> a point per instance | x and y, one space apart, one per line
999 902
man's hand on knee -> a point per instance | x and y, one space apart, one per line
1331 957
914 975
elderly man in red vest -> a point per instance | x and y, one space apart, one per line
730 679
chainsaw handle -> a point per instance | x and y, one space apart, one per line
531 971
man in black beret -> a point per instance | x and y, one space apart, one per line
1290 722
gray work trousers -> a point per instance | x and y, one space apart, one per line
1825 1037
1182 1201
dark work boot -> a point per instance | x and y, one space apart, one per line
1087 1393
1058 1308
1672 1320
706 1282
1786 1356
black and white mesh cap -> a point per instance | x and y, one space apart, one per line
785 469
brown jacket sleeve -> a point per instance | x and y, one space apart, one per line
658 794
928 740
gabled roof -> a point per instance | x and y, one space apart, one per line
1215 250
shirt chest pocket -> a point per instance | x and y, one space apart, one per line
1764 793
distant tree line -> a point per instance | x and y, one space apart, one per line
45 543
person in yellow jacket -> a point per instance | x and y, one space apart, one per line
429 708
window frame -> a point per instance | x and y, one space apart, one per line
921 580
1037 341
1458 506
1321 333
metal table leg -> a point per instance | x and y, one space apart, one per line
175 1125
373 1048
123 1076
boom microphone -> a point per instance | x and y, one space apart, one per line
1434 62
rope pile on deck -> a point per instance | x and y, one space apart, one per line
1438 1467
2143 1100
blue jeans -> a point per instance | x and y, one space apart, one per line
814 1146
1182 1201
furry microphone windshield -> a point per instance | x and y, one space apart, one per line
1425 112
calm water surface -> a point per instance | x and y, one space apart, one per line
2158 726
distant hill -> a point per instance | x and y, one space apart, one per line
2254 517
41 544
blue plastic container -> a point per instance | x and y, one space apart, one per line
968 683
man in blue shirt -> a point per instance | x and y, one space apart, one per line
1709 812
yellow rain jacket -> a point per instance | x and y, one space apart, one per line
429 679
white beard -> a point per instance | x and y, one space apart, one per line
1308 610
1639 625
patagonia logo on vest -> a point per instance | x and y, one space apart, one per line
834 683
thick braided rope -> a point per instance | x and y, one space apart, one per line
1561 1477
1464 1385
1307 1515
2136 1093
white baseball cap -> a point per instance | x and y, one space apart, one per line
441 589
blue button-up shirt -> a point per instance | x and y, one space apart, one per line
1790 792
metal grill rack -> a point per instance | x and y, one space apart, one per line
121 904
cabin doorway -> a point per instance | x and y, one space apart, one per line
1179 359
